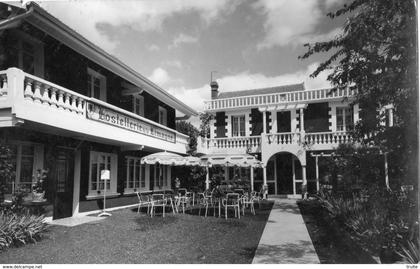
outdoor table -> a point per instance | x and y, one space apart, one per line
35 207
171 198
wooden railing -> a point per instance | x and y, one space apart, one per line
277 98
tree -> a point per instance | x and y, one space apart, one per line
188 129
376 54
205 119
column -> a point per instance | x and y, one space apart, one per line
304 183
391 117
264 122
226 172
273 122
301 123
294 175
76 185
252 177
317 173
386 170
265 187
207 178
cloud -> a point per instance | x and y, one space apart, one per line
181 39
162 78
174 63
86 16
153 47
195 97
293 22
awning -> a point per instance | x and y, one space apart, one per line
164 158
168 158
241 160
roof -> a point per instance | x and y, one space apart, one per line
276 89
40 18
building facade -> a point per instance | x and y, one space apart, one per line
286 127
71 108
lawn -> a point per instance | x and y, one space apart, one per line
127 237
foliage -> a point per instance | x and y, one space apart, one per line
376 54
191 177
7 171
39 178
410 253
205 119
188 129
381 222
20 229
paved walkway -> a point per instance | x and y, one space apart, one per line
285 238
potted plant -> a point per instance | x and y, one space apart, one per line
38 191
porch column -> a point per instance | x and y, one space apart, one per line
207 178
264 122
294 175
76 185
226 172
317 173
265 186
386 170
301 123
273 122
252 177
304 183
391 116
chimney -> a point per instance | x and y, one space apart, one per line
214 89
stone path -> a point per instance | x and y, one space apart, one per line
285 238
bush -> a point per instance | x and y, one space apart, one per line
379 220
20 229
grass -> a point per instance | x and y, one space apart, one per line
127 237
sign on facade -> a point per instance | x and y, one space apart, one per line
105 115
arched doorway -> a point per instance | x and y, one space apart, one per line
284 174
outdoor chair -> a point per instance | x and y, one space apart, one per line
239 191
256 196
158 200
247 201
185 201
144 200
232 200
203 201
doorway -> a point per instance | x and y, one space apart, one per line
63 175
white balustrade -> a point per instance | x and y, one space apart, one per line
233 142
277 98
43 92
328 138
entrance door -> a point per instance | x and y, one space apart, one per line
284 174
63 179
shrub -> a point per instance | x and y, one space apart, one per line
20 229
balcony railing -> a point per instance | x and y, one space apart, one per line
277 98
253 143
23 92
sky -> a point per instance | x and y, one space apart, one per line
178 43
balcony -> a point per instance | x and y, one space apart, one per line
281 99
278 141
41 105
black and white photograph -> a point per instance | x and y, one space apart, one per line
216 132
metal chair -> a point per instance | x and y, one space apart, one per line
247 200
144 200
232 200
158 200
203 201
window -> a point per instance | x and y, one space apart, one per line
162 116
102 161
138 105
96 85
344 118
27 53
23 164
238 125
135 177
161 176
